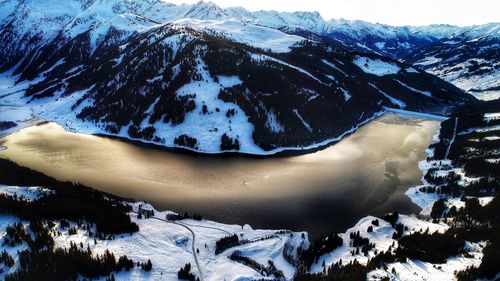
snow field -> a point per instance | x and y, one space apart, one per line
376 66
169 245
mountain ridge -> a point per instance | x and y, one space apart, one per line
204 84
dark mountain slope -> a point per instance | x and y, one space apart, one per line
172 84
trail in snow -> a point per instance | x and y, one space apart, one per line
452 139
209 227
193 248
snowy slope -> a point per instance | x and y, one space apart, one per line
157 72
376 66
169 245
381 237
467 58
42 22
211 109
253 35
381 234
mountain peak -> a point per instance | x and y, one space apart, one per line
308 14
205 11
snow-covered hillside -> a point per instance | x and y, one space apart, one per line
456 177
169 245
36 22
157 72
172 244
211 111
467 58
198 77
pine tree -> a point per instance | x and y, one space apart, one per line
148 266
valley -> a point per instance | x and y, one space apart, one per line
163 238
265 193
147 140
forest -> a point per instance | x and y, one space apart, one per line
101 215
41 260
69 201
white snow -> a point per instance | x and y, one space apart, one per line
486 95
330 77
332 65
208 129
6 9
422 199
169 246
308 127
12 102
206 90
253 35
273 124
399 103
380 45
414 270
6 220
491 116
485 200
428 61
411 70
346 94
28 193
480 130
455 202
425 93
452 140
376 66
381 237
260 58
492 138
482 86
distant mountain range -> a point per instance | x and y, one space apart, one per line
468 58
212 80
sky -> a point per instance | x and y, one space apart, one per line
393 12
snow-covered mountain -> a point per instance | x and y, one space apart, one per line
470 59
43 22
382 39
201 77
390 41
